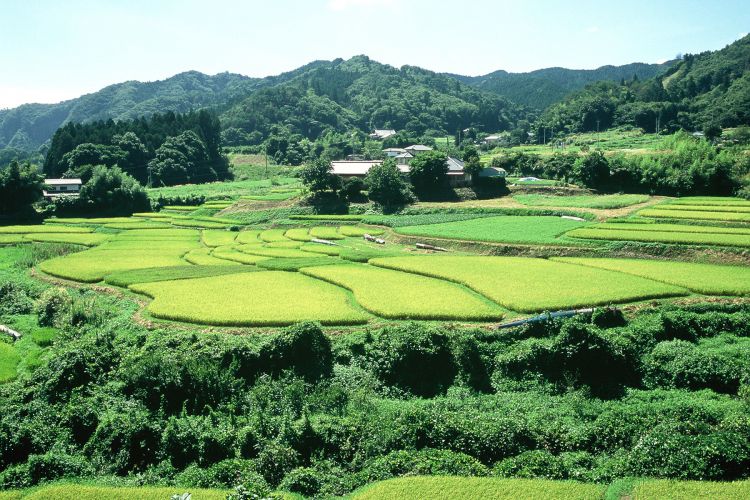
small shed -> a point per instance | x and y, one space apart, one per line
61 187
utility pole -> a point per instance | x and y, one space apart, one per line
597 132
544 135
265 153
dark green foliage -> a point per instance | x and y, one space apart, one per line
414 358
428 171
53 307
15 298
164 149
48 467
543 464
302 348
110 191
423 462
225 474
317 176
386 186
20 187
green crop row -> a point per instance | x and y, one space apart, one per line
43 229
171 273
268 298
217 237
328 217
500 229
298 234
708 279
86 239
271 235
398 295
704 208
711 200
203 257
738 240
326 233
583 201
232 254
531 285
694 214
676 228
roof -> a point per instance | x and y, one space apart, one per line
404 155
383 133
353 167
493 138
394 150
418 147
455 166
492 172
63 182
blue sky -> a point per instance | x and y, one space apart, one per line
55 50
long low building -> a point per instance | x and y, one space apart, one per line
457 176
61 187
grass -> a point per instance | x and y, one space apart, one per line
272 252
91 492
470 488
542 230
333 217
708 279
220 190
171 273
298 234
358 232
281 264
9 360
584 201
283 244
718 201
86 239
660 213
12 239
98 221
670 489
326 233
268 298
398 295
320 248
532 285
217 238
203 224
187 208
663 227
203 257
271 235
43 229
279 196
688 238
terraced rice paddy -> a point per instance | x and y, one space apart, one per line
707 279
217 238
654 235
268 298
542 230
711 201
85 239
86 492
203 257
398 295
322 249
358 232
532 285
471 488
249 236
264 251
271 235
90 268
661 213
298 234
154 274
234 255
583 201
326 233
669 489
43 229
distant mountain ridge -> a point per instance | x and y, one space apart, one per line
29 126
541 88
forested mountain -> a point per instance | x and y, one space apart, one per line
29 126
710 89
363 94
541 88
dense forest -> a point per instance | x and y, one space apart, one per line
165 149
711 89
544 87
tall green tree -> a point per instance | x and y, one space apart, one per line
20 187
428 171
386 186
318 177
113 192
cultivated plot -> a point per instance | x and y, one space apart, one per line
399 295
707 279
267 298
532 285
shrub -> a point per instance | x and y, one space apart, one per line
386 186
303 348
414 358
423 462
14 299
53 307
303 480
275 460
225 474
47 467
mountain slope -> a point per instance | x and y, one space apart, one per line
27 127
541 88
364 94
707 89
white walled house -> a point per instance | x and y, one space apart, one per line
381 134
61 187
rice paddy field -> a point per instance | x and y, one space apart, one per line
513 229
584 201
469 488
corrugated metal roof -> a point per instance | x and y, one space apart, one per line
455 165
418 147
62 182
359 167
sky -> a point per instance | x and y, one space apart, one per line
52 50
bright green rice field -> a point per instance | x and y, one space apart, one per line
532 285
583 201
542 230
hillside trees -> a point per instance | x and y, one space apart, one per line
113 192
20 186
183 147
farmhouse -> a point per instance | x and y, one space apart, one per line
393 152
61 187
457 176
381 134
